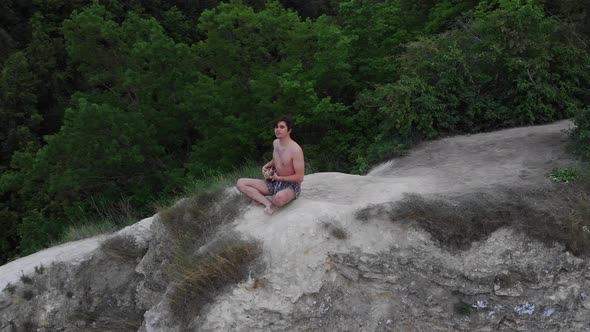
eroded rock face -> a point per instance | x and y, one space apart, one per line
433 290
153 267
70 298
506 282
98 291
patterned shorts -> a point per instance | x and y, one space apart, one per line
276 186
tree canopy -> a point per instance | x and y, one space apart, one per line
113 100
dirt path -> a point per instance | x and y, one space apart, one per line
516 157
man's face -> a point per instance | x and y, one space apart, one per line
281 130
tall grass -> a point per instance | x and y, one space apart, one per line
103 218
218 181
107 218
201 266
124 320
121 248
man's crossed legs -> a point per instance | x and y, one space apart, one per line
267 193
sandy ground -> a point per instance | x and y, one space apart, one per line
518 156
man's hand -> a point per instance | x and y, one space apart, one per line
267 173
274 176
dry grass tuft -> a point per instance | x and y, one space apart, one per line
567 218
29 326
335 230
10 289
453 224
559 213
367 213
26 279
27 294
197 275
196 282
40 269
192 220
122 248
119 321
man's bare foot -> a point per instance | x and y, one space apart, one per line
257 203
268 210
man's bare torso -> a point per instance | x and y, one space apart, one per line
283 157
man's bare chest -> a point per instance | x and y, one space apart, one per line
283 156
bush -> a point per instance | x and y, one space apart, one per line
565 175
512 66
581 133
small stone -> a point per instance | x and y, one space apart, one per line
549 312
572 263
581 316
513 291
480 305
524 309
348 272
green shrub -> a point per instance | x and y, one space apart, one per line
581 133
463 309
512 66
565 175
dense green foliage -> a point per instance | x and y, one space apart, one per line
511 66
126 101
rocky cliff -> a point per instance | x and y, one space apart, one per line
453 236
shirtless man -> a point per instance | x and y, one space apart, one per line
283 174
